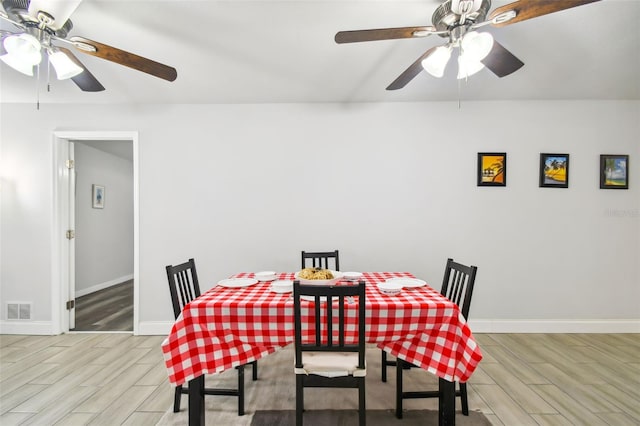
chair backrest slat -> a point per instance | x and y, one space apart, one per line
321 259
183 285
327 319
458 284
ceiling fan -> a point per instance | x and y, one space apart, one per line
43 26
458 20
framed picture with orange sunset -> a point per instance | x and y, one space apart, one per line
492 169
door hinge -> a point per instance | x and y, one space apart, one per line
71 234
71 304
69 164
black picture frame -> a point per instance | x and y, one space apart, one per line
554 170
614 171
492 169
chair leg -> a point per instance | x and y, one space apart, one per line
299 398
384 366
254 368
399 368
463 399
176 399
240 390
362 404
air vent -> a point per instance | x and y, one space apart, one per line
18 311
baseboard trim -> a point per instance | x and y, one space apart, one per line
155 328
37 328
102 286
556 326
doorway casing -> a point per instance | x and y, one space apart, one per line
61 215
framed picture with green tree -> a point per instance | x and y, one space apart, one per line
554 170
492 169
614 171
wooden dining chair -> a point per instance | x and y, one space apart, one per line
184 287
457 286
325 359
321 259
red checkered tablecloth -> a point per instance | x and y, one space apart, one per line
228 327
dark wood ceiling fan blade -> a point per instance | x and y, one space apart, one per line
410 73
527 9
501 62
124 58
85 80
382 34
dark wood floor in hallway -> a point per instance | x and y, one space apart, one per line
110 309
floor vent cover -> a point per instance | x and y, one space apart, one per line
18 311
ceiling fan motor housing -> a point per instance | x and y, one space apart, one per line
444 19
17 10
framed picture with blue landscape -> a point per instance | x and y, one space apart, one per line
614 171
554 170
97 195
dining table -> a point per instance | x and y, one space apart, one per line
229 325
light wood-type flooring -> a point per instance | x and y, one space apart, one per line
524 379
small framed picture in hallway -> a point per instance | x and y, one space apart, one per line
98 196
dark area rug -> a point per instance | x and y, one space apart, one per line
374 418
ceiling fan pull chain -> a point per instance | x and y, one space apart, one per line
48 74
38 87
459 94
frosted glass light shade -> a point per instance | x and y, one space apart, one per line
17 64
24 48
64 66
468 66
436 63
476 45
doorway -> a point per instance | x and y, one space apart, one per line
69 263
103 235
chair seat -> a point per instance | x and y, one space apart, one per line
331 364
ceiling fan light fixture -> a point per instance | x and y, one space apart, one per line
64 66
17 64
24 48
468 66
436 63
476 46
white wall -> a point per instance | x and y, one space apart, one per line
104 237
393 186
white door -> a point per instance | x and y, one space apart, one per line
72 241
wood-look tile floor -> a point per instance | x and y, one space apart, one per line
120 379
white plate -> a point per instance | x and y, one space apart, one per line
390 287
282 286
237 282
352 276
337 276
265 275
408 282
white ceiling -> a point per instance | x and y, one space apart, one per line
119 148
267 51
